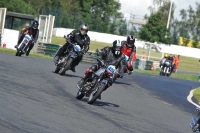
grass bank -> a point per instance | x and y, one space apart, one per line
197 94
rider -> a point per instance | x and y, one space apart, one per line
171 59
110 56
129 49
31 30
76 36
162 61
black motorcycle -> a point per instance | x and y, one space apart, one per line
67 60
96 83
165 68
194 125
23 46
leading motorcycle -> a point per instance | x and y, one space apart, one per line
194 125
97 82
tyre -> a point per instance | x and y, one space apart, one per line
17 53
57 69
66 67
79 95
94 95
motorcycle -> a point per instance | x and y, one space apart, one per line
96 83
165 68
194 125
23 46
67 60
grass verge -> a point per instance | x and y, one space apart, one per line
11 51
196 94
191 77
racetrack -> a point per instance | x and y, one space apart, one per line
33 99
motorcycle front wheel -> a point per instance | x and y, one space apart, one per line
66 67
79 95
94 95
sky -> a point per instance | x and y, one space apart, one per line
140 7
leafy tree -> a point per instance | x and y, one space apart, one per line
155 30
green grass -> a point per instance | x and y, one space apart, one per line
197 94
11 51
191 77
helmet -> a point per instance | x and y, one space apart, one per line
166 55
130 41
35 24
84 29
117 48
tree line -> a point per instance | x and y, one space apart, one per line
104 16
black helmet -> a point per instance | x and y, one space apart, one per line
84 29
117 48
35 24
130 41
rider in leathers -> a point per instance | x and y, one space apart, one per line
76 36
129 49
171 59
110 56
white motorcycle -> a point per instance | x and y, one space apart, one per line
23 46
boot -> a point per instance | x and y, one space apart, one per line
27 53
16 46
99 97
73 69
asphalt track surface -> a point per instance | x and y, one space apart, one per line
33 99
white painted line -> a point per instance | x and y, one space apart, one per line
189 98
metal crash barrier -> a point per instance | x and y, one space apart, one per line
91 57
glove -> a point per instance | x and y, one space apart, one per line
104 63
84 51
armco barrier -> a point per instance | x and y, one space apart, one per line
50 49
47 48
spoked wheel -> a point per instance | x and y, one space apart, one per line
95 94
66 67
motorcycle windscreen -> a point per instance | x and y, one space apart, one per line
27 37
167 63
77 48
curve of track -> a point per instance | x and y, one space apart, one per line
33 99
